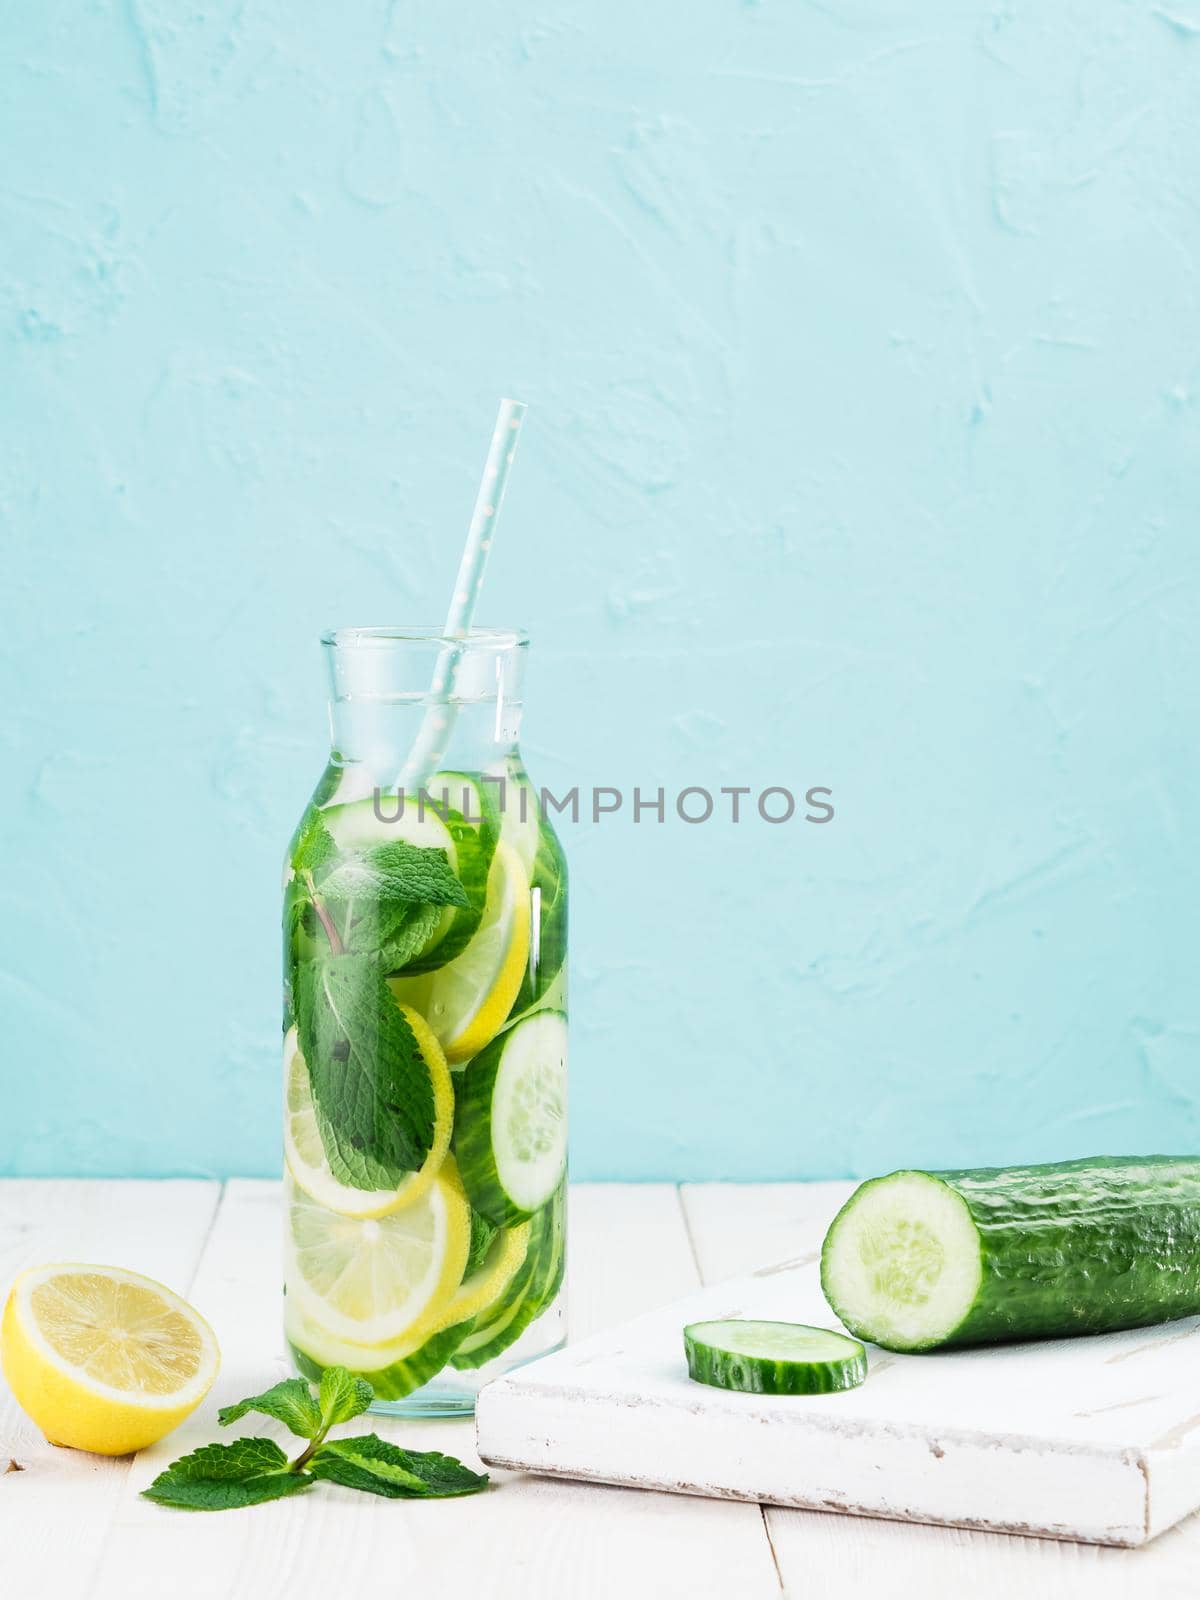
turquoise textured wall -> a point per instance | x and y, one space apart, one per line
861 348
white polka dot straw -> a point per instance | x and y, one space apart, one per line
429 746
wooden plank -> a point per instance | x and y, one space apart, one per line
55 1512
820 1553
823 1554
523 1540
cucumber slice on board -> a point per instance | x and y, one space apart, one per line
918 1260
773 1357
510 1124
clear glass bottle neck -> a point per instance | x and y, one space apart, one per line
396 699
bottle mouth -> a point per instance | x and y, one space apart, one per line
406 665
490 639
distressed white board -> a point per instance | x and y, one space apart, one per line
1095 1440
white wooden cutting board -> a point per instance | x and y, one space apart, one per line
1091 1439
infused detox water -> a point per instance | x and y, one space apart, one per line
425 1031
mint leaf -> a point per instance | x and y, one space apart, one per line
313 844
342 1396
391 873
290 1402
220 1477
482 1234
397 932
372 1464
409 936
370 1084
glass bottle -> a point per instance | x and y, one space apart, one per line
425 1036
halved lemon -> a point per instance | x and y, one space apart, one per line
373 1280
467 1001
103 1359
305 1152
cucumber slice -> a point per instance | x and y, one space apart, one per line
531 1292
917 1260
464 794
773 1357
519 815
475 845
511 1119
399 1377
548 923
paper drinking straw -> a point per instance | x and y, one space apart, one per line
429 746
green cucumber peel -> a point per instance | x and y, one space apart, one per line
759 1357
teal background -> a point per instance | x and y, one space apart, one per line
860 343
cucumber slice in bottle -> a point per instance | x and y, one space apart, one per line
392 1378
510 1123
474 801
773 1357
475 832
548 925
520 812
532 1290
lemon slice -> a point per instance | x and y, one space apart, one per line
374 1280
487 1283
481 1292
103 1359
305 1152
328 1350
467 1001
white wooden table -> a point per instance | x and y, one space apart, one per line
73 1526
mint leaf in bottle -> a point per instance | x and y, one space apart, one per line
314 845
392 873
370 1083
221 1477
374 1465
290 1402
396 932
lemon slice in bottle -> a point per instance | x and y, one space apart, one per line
373 1280
467 1001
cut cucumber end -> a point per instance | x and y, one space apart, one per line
754 1357
902 1264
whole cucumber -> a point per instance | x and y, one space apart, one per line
921 1260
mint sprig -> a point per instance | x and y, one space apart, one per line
248 1472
